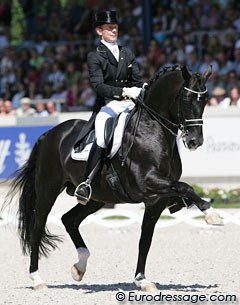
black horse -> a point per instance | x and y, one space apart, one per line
146 169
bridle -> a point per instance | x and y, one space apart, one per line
199 93
186 123
173 128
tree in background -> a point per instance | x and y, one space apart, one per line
17 27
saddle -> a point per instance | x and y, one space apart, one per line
110 126
113 134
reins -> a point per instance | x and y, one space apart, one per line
131 139
156 116
172 127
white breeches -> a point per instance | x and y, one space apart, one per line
112 109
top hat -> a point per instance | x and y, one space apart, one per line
105 17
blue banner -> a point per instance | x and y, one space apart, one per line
16 144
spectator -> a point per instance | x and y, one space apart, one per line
60 95
87 97
178 32
193 62
40 43
208 60
9 110
24 60
232 100
232 81
56 76
80 56
41 110
71 75
47 91
25 110
2 107
8 78
33 75
225 65
20 93
51 108
154 54
32 90
6 60
72 97
4 42
213 82
218 96
45 71
36 60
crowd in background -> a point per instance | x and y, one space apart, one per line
50 66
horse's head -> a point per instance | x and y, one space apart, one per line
176 99
192 102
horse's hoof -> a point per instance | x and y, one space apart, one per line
40 287
151 287
77 275
145 285
214 219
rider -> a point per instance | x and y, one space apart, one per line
115 76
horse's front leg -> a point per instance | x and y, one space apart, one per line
71 220
211 215
151 216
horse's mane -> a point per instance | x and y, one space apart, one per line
161 72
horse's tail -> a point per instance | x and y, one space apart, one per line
24 184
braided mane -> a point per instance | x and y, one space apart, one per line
161 72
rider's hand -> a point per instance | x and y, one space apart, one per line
132 92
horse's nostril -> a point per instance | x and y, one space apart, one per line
192 142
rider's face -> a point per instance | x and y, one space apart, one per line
108 32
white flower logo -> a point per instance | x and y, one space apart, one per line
23 150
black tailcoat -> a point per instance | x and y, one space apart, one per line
108 76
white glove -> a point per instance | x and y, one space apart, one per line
132 92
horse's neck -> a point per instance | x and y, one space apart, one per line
163 92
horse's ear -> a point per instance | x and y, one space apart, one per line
185 73
207 73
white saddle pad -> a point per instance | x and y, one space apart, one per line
117 141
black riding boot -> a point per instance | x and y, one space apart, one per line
83 191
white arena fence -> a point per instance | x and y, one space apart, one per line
121 218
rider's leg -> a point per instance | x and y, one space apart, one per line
96 157
94 163
97 153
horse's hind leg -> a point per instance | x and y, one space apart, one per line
40 238
151 216
71 221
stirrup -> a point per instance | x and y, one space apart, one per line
84 200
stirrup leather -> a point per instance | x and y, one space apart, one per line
86 184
